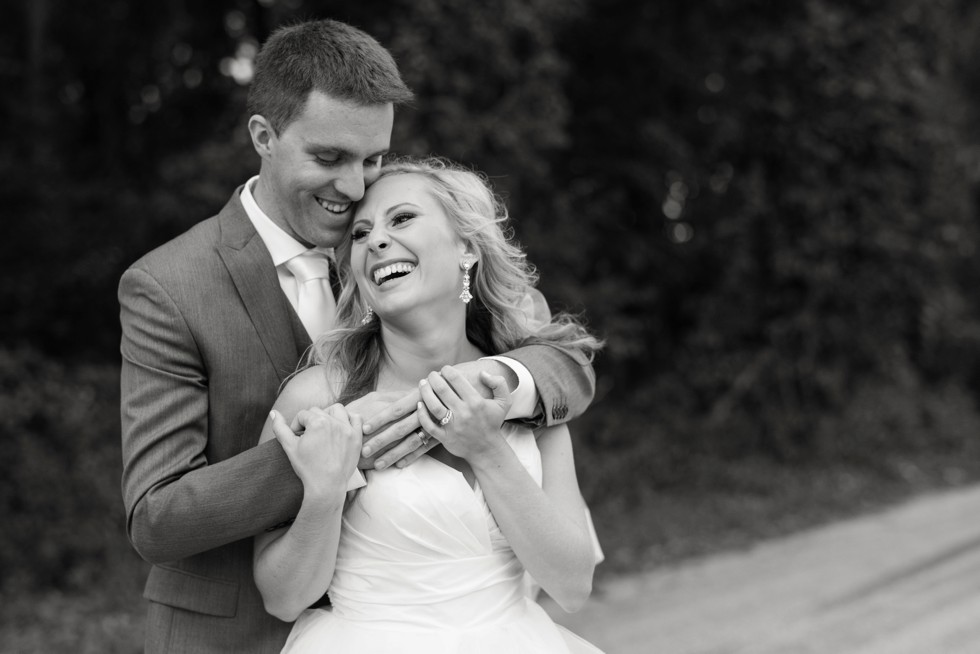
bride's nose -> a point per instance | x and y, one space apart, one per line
378 240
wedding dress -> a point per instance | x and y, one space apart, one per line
422 567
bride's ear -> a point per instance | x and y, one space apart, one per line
467 254
467 259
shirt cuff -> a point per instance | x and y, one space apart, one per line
525 397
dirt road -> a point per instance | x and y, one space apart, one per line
905 581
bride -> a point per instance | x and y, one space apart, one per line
429 558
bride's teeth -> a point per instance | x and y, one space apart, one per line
400 267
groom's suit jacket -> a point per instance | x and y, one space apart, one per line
208 338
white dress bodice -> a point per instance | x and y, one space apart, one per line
423 567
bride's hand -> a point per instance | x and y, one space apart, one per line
326 452
453 412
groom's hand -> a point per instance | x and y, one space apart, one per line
389 421
391 432
388 428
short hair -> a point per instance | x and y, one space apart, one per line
496 321
327 56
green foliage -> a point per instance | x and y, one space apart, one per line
59 473
766 219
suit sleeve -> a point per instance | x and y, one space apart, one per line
177 504
563 377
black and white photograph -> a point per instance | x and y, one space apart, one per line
524 326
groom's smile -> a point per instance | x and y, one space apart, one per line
338 208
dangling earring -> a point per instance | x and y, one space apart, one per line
368 317
466 296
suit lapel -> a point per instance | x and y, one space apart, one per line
250 266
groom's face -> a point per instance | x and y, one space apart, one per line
315 169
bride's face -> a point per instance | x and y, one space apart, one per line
405 254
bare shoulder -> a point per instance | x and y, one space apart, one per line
314 386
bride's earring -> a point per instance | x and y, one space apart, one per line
466 264
368 317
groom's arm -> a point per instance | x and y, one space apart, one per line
562 378
177 503
564 382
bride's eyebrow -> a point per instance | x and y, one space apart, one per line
402 205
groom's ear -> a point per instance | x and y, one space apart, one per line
262 134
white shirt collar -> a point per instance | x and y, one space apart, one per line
281 245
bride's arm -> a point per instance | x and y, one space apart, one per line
293 566
545 525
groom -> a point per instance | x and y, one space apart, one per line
211 326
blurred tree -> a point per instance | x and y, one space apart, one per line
763 204
59 473
109 92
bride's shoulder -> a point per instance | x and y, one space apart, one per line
316 385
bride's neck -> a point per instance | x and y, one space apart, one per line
409 357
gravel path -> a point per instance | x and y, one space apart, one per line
904 581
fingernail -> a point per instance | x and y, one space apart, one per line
419 406
366 428
366 451
272 414
422 382
380 465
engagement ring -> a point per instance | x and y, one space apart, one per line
446 418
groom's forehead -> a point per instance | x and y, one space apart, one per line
346 116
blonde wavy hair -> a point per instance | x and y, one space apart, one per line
501 280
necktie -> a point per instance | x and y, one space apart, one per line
314 297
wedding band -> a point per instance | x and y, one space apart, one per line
446 418
423 437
